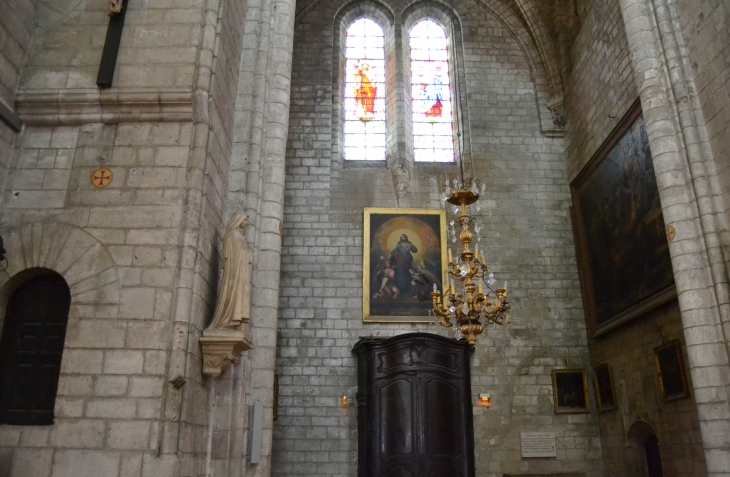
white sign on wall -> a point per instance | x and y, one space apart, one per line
538 444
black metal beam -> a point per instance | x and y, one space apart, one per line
111 49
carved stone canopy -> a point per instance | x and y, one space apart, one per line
221 346
115 7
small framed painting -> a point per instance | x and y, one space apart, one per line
403 254
570 391
670 367
604 388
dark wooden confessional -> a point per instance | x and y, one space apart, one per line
414 407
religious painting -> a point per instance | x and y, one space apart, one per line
604 388
433 133
364 94
404 252
672 380
621 239
570 391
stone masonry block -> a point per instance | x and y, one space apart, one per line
85 463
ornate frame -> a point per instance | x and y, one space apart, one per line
599 388
369 213
663 369
558 397
588 288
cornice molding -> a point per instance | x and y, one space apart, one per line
83 106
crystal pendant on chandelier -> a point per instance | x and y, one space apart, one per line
468 307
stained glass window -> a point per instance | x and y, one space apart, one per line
433 135
365 92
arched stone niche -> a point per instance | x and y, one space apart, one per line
85 264
639 433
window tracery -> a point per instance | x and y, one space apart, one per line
417 125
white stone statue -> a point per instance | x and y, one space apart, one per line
234 297
223 340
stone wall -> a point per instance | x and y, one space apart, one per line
141 263
528 238
109 410
15 31
705 33
602 86
638 395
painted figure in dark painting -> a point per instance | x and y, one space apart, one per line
401 260
624 227
423 281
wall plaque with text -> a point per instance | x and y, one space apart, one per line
538 444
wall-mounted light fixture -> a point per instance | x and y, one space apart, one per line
348 399
485 400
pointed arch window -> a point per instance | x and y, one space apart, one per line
364 128
433 131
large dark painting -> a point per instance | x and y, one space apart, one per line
621 237
403 254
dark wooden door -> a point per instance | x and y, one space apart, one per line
30 350
414 407
653 457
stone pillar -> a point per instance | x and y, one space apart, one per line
686 191
265 299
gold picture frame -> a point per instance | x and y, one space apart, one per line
603 384
570 391
621 243
398 274
670 367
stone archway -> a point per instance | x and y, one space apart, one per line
85 264
642 450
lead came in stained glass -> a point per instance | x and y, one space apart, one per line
365 92
433 134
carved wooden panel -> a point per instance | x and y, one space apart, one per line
30 350
414 407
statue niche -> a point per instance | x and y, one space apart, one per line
223 340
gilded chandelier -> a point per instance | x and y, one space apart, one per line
467 305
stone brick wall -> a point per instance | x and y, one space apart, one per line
134 323
601 85
109 411
224 400
528 238
159 45
705 33
638 395
15 30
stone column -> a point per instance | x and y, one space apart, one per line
265 299
686 191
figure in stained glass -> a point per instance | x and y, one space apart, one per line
433 136
365 93
434 94
364 100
